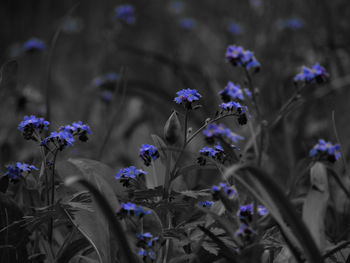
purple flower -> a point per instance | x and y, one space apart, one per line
187 96
220 131
206 203
61 139
125 13
232 92
148 153
77 129
126 174
32 124
316 74
245 212
33 44
19 169
228 191
326 150
132 209
237 56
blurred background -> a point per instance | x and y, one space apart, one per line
117 65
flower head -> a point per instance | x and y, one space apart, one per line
77 129
222 187
107 81
217 153
132 210
326 150
33 44
245 212
187 96
125 13
206 203
126 174
19 169
148 153
237 56
234 92
62 139
32 124
220 131
315 74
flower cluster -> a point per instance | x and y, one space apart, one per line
245 212
187 96
217 153
126 174
315 74
246 233
326 150
33 44
206 203
148 153
125 13
132 210
107 81
64 137
237 56
220 131
233 92
222 187
146 242
19 169
32 124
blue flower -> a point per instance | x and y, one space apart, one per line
206 203
187 96
237 56
232 92
176 7
19 169
107 96
61 139
234 28
245 232
220 131
33 44
77 129
126 174
326 149
222 187
132 209
187 23
148 153
316 74
294 23
32 124
217 153
245 212
125 13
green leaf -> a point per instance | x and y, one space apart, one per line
315 204
212 248
91 224
196 194
266 190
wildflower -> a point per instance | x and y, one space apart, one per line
206 203
326 150
232 92
107 96
245 212
107 81
217 153
126 174
33 44
294 23
32 124
148 153
220 131
237 56
187 23
245 232
146 240
19 169
234 28
315 74
125 13
222 187
187 96
61 139
77 129
132 210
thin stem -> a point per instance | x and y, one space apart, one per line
52 194
185 127
338 141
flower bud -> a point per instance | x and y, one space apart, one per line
172 129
